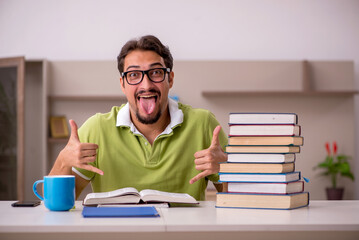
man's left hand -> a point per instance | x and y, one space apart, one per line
208 160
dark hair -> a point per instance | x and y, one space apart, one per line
146 43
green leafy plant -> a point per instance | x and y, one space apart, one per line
335 165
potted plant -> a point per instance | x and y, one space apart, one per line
335 165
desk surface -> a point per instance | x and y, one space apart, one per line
319 216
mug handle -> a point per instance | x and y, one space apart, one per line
35 190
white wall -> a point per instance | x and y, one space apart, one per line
194 30
204 29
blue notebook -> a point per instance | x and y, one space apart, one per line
94 212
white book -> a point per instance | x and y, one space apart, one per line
131 195
263 118
262 149
259 177
264 130
260 158
254 187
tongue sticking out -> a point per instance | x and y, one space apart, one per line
148 104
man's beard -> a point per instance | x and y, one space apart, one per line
148 120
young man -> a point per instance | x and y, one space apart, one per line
152 142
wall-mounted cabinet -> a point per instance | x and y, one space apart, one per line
31 125
12 79
297 78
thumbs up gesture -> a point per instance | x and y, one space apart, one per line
77 154
208 160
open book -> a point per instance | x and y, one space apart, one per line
131 195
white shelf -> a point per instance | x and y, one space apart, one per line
86 98
57 140
229 93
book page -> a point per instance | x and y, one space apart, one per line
149 195
118 192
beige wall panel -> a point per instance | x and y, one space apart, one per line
242 75
331 75
83 78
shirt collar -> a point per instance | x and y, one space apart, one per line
124 119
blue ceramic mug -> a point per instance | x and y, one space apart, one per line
59 192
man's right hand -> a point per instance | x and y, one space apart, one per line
77 154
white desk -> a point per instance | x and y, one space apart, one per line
321 220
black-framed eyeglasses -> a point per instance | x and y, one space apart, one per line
156 75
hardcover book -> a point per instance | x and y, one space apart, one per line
259 177
264 130
227 167
273 188
248 140
262 201
261 157
88 212
262 149
263 118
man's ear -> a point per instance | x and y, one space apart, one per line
122 84
171 77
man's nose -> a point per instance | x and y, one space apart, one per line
146 82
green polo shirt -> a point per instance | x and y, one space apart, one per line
129 160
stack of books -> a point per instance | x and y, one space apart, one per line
260 170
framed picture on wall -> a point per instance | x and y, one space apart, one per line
58 127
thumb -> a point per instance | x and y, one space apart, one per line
74 135
215 138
